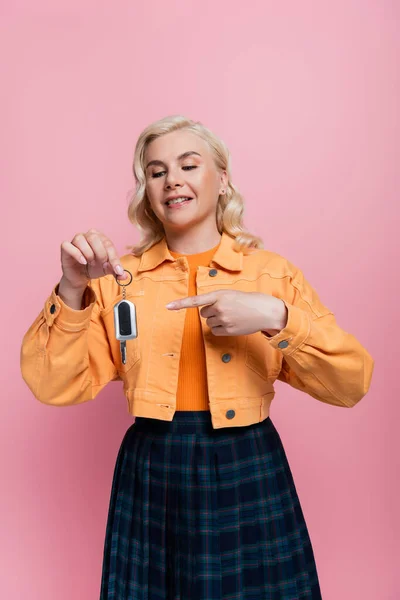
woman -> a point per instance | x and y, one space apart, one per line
203 503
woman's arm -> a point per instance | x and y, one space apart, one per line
65 354
319 357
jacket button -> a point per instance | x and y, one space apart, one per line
53 309
212 272
226 358
283 344
230 414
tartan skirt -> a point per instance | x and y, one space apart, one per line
198 513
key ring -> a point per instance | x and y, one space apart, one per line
124 284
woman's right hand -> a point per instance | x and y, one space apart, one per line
92 254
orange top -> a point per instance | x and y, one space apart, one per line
192 392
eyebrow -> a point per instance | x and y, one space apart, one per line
180 157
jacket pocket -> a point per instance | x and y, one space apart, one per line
260 357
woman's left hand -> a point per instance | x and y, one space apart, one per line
231 312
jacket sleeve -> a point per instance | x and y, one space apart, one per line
65 355
319 358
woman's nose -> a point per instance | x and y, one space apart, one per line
173 179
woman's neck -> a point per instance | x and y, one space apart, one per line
192 242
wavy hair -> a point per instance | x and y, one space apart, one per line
230 206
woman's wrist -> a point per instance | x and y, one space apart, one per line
72 297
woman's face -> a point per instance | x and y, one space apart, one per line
180 164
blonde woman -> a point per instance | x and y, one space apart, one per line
203 503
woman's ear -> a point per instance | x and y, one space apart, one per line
223 182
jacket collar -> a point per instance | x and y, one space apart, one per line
225 256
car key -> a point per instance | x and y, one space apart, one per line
125 322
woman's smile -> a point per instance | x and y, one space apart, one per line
179 203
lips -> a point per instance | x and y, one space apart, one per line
171 200
179 204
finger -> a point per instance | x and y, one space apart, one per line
213 322
104 247
109 270
218 331
96 243
74 252
105 252
113 257
80 241
208 311
192 301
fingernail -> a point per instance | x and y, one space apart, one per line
119 270
170 305
83 260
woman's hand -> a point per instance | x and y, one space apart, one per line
89 256
231 312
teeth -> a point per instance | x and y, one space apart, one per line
177 200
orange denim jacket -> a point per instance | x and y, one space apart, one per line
68 356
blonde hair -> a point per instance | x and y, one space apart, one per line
230 205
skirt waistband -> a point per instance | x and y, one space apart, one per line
185 421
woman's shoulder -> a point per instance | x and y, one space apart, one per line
267 261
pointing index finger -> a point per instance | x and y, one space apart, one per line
191 301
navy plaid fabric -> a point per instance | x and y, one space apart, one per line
198 513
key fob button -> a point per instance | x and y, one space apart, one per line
124 316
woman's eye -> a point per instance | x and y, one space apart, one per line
185 168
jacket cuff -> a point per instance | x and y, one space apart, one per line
66 317
297 330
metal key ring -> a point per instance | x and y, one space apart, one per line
124 284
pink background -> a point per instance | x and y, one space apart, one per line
306 95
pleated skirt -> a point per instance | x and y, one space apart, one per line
198 513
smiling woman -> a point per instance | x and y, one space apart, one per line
199 520
203 502
184 189
191 174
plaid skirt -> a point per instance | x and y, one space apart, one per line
198 513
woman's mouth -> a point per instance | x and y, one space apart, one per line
178 202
